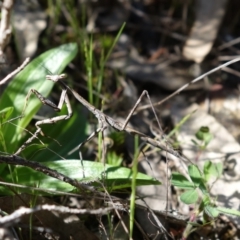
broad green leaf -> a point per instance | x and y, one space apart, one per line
189 196
211 211
219 169
32 77
90 173
195 174
212 170
68 133
229 211
178 180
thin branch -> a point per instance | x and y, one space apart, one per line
16 160
15 217
190 83
15 71
5 26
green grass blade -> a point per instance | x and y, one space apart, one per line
4 116
183 120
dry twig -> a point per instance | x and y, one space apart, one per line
15 217
5 26
15 71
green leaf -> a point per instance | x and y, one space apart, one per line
203 188
194 142
211 211
190 196
32 77
219 169
4 116
114 159
228 211
204 135
195 174
69 134
178 180
206 200
212 170
90 173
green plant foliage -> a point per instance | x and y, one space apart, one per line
69 134
195 174
200 181
32 77
4 116
204 188
189 197
118 138
180 181
204 135
211 211
212 170
87 172
114 159
228 211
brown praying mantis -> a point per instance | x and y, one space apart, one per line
103 119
